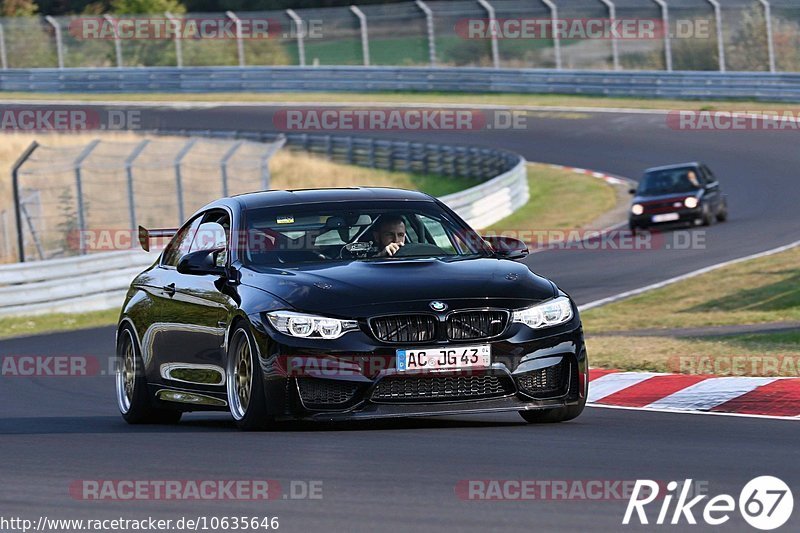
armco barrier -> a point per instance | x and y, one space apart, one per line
649 84
99 281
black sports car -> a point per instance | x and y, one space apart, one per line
341 304
684 193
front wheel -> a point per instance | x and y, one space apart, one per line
244 383
131 384
552 416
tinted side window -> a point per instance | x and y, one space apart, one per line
179 245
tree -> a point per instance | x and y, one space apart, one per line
18 8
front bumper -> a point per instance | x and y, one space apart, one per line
530 370
685 216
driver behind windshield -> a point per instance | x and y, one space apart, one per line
389 235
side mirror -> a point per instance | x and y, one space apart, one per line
201 262
631 191
507 247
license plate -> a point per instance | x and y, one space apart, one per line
445 358
666 217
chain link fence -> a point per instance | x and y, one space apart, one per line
106 189
732 35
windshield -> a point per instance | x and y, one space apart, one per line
355 231
674 180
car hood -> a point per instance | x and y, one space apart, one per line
410 284
664 197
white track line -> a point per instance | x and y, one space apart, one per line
670 281
681 412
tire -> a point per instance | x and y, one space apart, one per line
553 416
707 217
133 398
559 414
245 385
722 214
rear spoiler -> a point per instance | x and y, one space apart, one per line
146 234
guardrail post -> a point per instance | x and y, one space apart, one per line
431 31
224 165
176 26
667 41
79 187
59 43
612 16
117 42
17 206
3 56
239 39
129 174
770 42
720 39
179 179
301 47
362 20
493 31
556 37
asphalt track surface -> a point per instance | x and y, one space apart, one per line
402 475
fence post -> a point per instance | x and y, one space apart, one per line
59 43
178 178
3 56
6 239
362 19
79 186
117 42
239 39
612 15
556 37
720 40
224 165
17 207
301 47
492 31
272 148
129 173
431 35
176 26
770 42
666 30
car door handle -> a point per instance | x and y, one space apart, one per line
169 289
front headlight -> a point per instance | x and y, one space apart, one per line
310 326
637 209
690 202
551 313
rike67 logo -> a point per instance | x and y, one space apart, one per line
765 503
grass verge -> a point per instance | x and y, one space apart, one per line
559 199
555 100
758 291
34 325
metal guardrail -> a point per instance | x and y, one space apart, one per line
63 286
686 84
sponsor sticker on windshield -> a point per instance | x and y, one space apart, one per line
286 220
